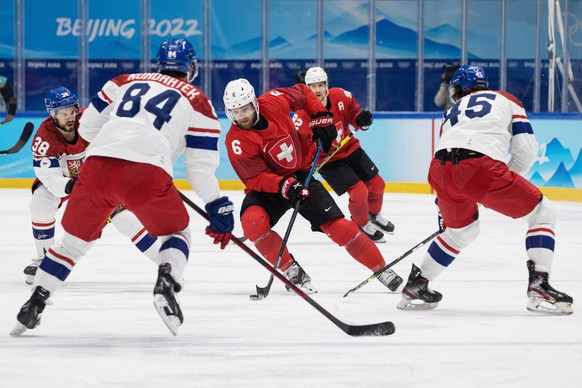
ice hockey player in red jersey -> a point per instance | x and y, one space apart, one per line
350 170
138 125
469 168
273 160
58 152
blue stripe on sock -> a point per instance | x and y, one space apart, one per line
540 241
176 243
145 242
43 234
53 268
439 255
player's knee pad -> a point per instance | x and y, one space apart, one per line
43 205
72 247
459 238
543 214
358 192
376 185
255 222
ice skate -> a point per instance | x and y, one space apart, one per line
374 234
390 279
29 315
300 278
165 300
380 223
30 270
543 298
416 295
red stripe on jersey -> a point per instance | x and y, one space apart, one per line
106 97
447 246
138 234
204 130
43 225
510 97
61 257
541 230
519 117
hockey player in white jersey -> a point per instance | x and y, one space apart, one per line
468 169
138 125
58 153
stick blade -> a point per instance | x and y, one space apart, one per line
375 329
262 293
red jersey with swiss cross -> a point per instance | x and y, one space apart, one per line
261 157
345 108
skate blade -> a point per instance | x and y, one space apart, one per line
381 241
305 287
18 329
541 306
171 321
415 304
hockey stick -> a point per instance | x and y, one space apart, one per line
391 264
26 133
263 292
374 329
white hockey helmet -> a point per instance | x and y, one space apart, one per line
237 94
315 74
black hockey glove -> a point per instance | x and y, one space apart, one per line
69 186
364 120
440 221
323 129
220 214
293 190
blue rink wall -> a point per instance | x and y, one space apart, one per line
401 145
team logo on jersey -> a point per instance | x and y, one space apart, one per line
45 163
73 167
283 153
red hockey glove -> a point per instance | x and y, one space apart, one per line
291 189
219 238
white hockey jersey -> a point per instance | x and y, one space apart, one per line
153 118
493 123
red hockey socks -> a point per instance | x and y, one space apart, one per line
347 234
358 204
375 187
255 224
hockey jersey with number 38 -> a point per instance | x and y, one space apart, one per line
493 123
154 118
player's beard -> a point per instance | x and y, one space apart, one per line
68 127
247 122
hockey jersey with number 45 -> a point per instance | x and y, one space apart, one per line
55 160
154 118
493 123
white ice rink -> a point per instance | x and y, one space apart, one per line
103 331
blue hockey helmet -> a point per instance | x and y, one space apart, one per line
468 77
177 55
59 98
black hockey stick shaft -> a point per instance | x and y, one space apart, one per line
393 262
26 133
374 329
263 292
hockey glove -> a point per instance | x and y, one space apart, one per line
291 189
440 221
364 120
220 214
323 129
69 186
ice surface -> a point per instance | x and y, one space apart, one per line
103 331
